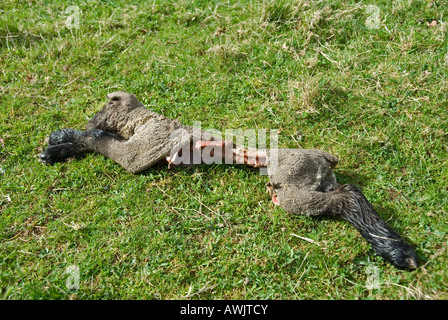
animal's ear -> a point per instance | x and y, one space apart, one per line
114 96
134 102
331 159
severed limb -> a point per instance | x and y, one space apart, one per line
214 151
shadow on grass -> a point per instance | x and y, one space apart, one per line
200 168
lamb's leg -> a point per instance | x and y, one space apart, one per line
349 203
136 154
67 143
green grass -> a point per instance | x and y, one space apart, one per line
375 97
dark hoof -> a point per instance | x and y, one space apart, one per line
56 153
63 136
396 251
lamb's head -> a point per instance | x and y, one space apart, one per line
123 101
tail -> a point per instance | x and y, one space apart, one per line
353 206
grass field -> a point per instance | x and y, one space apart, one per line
364 80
